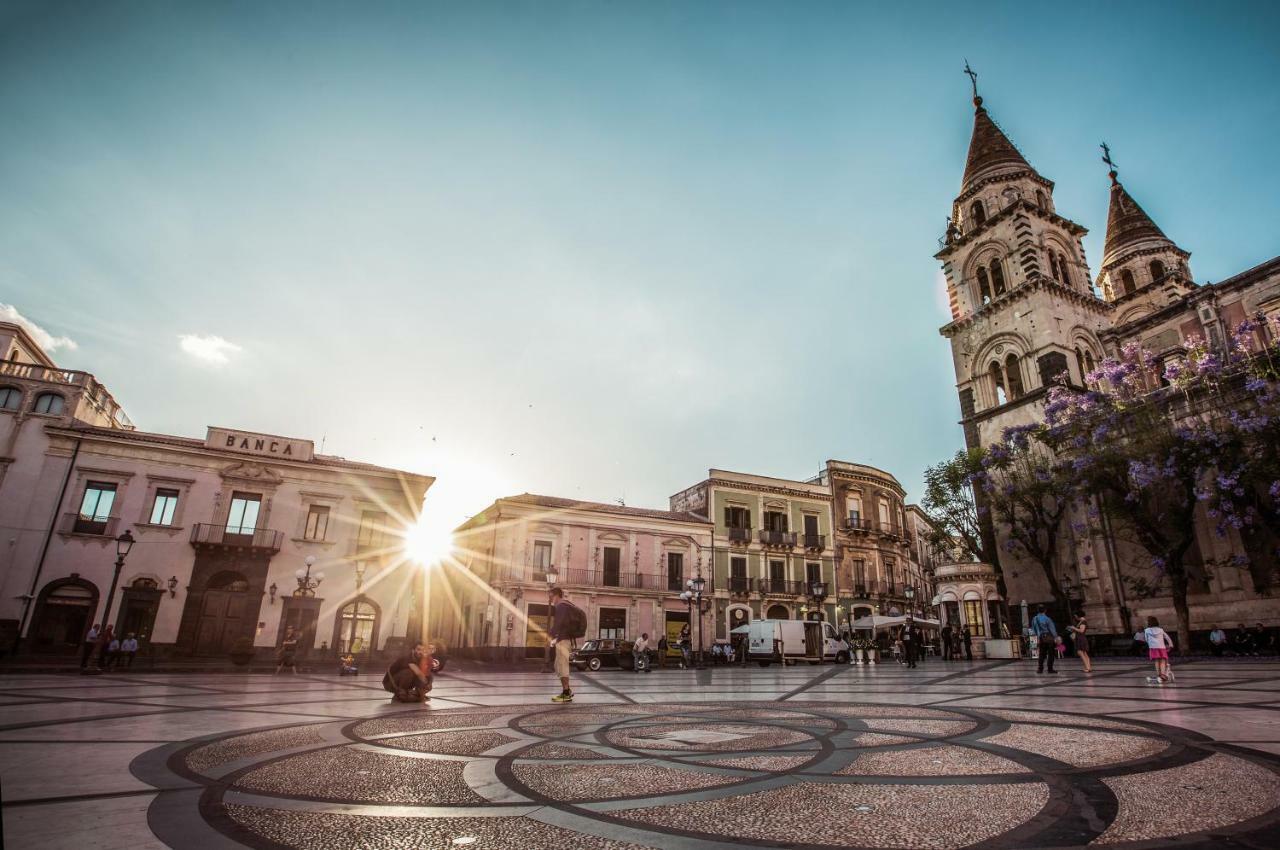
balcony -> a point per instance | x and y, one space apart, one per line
858 525
74 523
815 542
781 587
257 540
739 535
739 584
607 578
784 539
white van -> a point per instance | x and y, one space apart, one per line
789 641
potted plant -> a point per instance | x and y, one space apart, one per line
864 650
241 651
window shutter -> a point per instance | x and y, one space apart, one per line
748 513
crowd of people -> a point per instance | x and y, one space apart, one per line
1243 641
111 652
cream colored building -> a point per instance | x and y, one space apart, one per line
221 526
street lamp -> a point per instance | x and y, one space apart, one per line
552 577
693 597
123 544
306 584
910 592
818 592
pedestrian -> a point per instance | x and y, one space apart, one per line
1217 641
686 647
1080 639
129 647
90 641
967 639
1158 645
662 652
910 643
409 677
1046 634
640 654
104 643
944 647
1241 641
287 656
112 653
568 623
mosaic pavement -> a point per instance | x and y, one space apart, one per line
985 755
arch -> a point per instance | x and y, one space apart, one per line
1065 270
778 612
736 615
10 398
984 286
356 624
997 277
1013 374
947 596
145 583
977 213
1127 284
1157 270
65 608
996 375
227 580
1041 200
49 403
1133 315
971 594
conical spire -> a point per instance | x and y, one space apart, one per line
989 148
1127 223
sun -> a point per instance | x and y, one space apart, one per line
427 542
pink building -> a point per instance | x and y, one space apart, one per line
625 567
221 526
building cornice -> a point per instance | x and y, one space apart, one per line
1143 252
1007 212
1024 173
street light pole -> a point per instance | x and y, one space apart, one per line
552 578
123 544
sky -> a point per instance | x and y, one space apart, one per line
582 249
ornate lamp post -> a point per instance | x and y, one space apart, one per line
123 544
818 593
306 583
693 598
552 578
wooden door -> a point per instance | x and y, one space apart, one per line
221 621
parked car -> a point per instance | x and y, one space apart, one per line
597 654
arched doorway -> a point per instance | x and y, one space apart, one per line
224 613
355 629
138 607
64 611
778 612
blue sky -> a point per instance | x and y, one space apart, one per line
592 249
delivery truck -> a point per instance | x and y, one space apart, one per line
792 641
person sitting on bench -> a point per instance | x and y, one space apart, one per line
409 676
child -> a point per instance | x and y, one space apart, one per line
1158 644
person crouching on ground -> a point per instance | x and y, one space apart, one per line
409 676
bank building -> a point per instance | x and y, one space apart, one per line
237 535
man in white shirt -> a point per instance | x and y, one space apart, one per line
640 654
129 646
1218 641
90 641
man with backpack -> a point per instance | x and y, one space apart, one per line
568 623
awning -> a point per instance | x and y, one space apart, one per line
874 623
740 630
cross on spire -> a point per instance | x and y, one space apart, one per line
1106 157
973 79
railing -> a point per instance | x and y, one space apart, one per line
74 523
739 535
261 539
739 584
675 583
602 578
36 372
781 587
777 538
860 524
815 541
860 588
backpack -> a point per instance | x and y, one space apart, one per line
575 622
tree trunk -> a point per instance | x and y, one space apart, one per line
1178 590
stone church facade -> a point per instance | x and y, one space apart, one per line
1025 308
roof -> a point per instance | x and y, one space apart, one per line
1127 223
989 148
557 503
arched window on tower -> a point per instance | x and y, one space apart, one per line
1157 270
1084 373
1088 361
978 213
1013 372
984 285
1064 274
1127 282
997 277
997 383
1041 201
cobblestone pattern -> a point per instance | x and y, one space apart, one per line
253 744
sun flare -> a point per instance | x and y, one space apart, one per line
427 542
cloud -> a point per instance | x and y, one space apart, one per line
208 349
43 338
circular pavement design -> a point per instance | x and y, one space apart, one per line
719 775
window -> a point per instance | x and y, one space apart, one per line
1127 282
372 533
775 521
978 213
317 523
973 617
1041 201
612 566
1063 275
884 514
243 516
10 398
675 571
984 284
1157 270
860 576
737 517
613 624
997 278
355 627
1013 371
542 556
855 511
95 508
166 502
997 383
50 403
777 573
890 577
812 573
738 575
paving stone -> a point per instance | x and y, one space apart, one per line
942 760
1079 747
253 744
347 773
611 781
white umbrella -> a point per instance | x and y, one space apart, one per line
740 630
